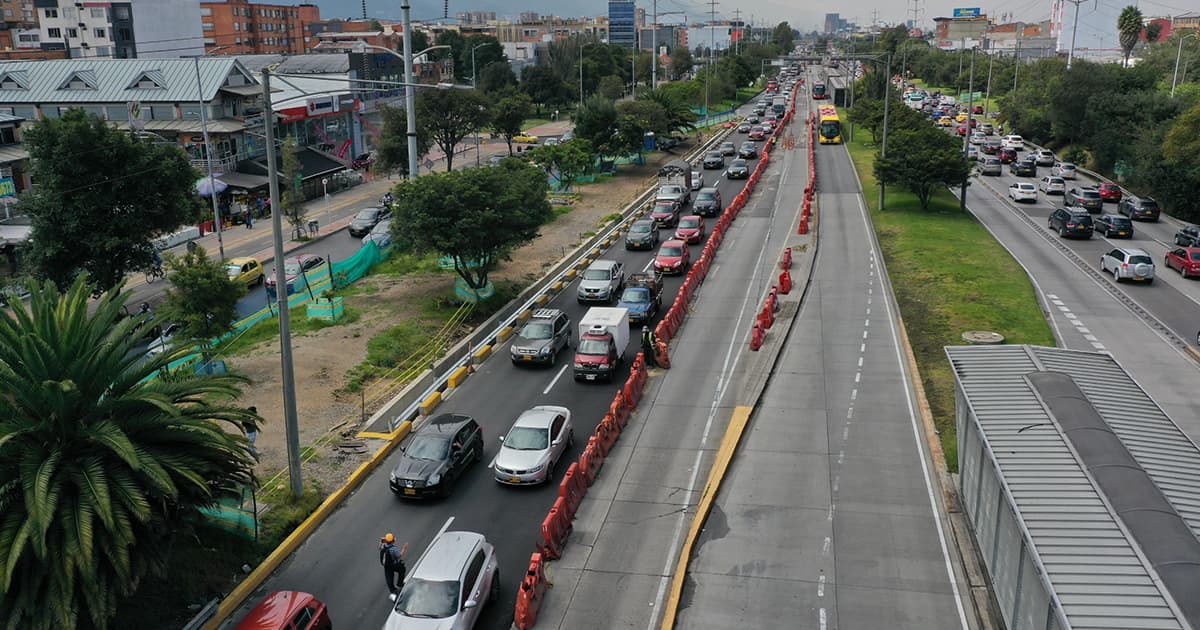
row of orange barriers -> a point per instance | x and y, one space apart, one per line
580 475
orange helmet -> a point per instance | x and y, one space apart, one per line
388 537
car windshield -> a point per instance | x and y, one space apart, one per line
1148 204
537 330
596 274
670 190
726 145
291 266
1119 222
527 439
714 156
671 251
233 270
1025 187
633 295
1066 167
689 223
368 214
705 196
1056 181
429 599
428 448
739 164
1140 260
593 346
640 228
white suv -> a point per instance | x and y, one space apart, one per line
449 584
1128 264
1013 142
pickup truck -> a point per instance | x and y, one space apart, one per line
642 297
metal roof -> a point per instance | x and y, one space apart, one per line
1099 574
116 80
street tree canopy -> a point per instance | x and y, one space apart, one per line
596 122
477 217
509 115
544 87
920 160
102 196
450 116
391 151
202 297
564 161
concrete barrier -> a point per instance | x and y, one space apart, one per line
457 377
430 403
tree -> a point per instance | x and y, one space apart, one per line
680 117
450 116
103 465
920 160
202 296
477 217
783 36
565 161
543 86
1129 28
868 114
496 76
291 189
456 42
509 115
681 62
102 195
1153 32
391 151
596 122
612 87
637 118
487 50
420 41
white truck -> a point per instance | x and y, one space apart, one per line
603 335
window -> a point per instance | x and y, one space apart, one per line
305 616
204 11
54 33
28 37
28 112
51 13
162 112
70 13
8 135
237 26
124 34
8 13
208 26
49 111
72 33
98 13
190 112
121 13
100 33
472 576
210 41
117 112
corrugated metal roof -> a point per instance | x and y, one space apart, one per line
116 80
1097 572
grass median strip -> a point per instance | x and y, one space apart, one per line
950 276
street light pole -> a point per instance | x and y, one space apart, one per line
1074 30
410 94
887 98
962 198
212 189
654 48
1178 54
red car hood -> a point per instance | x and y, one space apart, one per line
687 232
669 261
591 359
660 214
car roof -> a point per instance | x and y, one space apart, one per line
1134 251
708 189
690 216
603 264
275 610
536 418
650 221
674 242
1110 215
240 260
444 424
447 556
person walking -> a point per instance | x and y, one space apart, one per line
251 429
648 340
392 560
249 219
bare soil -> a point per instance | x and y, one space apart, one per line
328 416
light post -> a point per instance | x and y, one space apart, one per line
962 198
212 189
1178 54
887 98
1074 30
474 73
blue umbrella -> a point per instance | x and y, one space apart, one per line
205 185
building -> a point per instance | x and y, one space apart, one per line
621 24
550 28
241 26
833 23
121 30
719 35
13 178
529 17
952 33
18 14
1164 29
1028 41
475 17
1186 21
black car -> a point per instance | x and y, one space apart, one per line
1114 226
1087 198
1188 237
1023 168
708 202
1071 222
366 220
436 456
727 149
738 170
643 234
714 160
1139 208
747 151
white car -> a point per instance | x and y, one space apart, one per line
1022 191
1065 170
162 342
448 586
1045 157
1052 185
978 137
1013 142
534 445
697 180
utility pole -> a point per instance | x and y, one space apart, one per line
208 151
712 43
962 198
987 99
1017 57
410 108
887 99
737 24
654 49
1074 29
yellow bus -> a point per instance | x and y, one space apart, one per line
829 127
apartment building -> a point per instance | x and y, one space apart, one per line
121 30
244 27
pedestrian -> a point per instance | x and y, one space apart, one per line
392 560
648 346
249 220
251 429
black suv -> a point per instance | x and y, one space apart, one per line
541 338
1086 198
1114 226
1139 208
436 456
714 159
1188 237
1024 168
1071 222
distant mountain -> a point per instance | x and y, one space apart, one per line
433 9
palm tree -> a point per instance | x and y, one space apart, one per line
680 116
1129 27
101 463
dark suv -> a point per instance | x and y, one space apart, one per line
1139 208
1188 237
436 455
1071 222
540 339
1024 168
1086 198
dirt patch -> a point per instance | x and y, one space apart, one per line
328 416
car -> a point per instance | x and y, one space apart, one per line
673 257
1185 259
1007 155
1128 264
945 121
960 130
665 212
436 456
678 193
987 129
978 137
602 281
1114 226
495 160
708 202
690 229
973 153
366 219
697 180
287 610
1188 236
748 151
1013 141
744 127
1110 192
1087 198
991 146
524 138
449 585
758 132
643 234
534 445
1071 222
1023 168
1052 185
714 160
990 166
961 117
163 335
738 169
752 119
1022 191
246 270
1045 157
1065 170
1139 208
759 110
543 336
728 149
295 267
381 234
552 142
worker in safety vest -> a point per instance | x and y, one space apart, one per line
648 340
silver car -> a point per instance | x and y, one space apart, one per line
1128 264
541 338
697 180
534 445
1053 185
381 234
602 281
448 585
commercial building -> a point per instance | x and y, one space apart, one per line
121 30
833 23
475 17
952 33
244 27
1027 41
621 23
550 28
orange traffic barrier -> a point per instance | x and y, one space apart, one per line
661 356
766 317
785 282
530 594
633 387
589 465
786 263
619 408
554 535
572 488
773 299
757 336
605 436
660 330
804 225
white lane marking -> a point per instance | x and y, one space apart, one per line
854 393
857 377
860 359
1064 309
867 324
1084 330
864 334
841 456
823 619
492 463
821 586
555 379
862 348
1056 302
912 415
1052 296
868 310
825 547
648 263
1090 337
845 432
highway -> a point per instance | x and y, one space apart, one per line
339 563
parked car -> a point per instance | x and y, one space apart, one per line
738 170
1065 170
714 160
381 234
1022 191
436 457
1087 198
673 257
1071 222
524 138
1110 192
1188 237
748 151
1045 157
1185 259
534 445
1128 264
246 270
990 166
690 229
287 610
1052 185
294 268
1139 208
665 212
601 281
1114 226
708 202
728 149
643 234
1023 168
449 584
540 340
366 219
164 334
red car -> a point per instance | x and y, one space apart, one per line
758 133
287 610
961 129
690 229
293 267
665 213
1007 155
1110 192
673 257
1185 259
771 122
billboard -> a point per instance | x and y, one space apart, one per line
972 12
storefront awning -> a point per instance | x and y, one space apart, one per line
188 126
12 153
244 181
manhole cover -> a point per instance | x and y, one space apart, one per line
982 338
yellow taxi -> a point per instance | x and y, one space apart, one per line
945 121
245 269
525 138
961 117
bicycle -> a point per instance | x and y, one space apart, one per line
154 273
